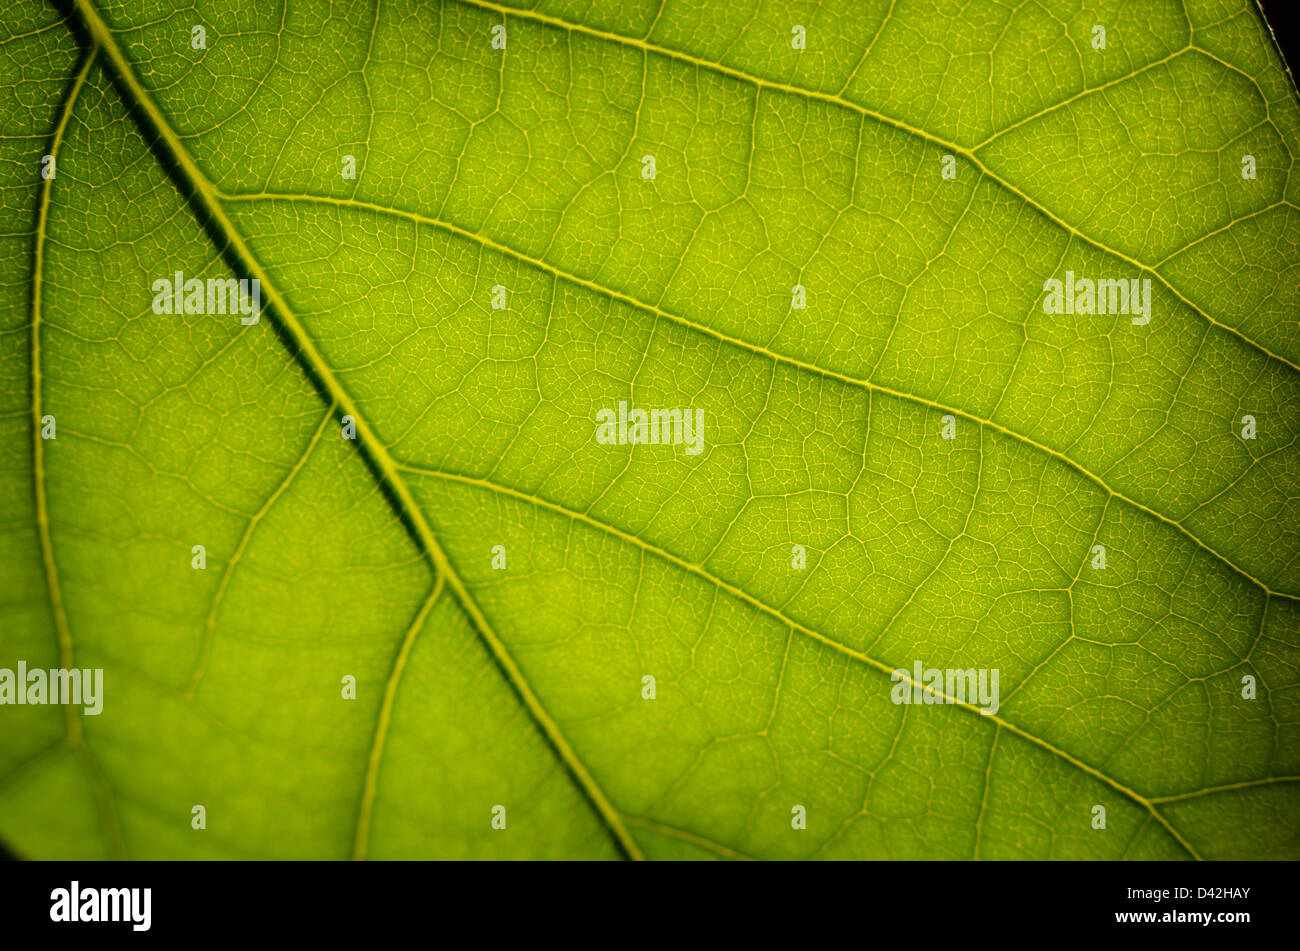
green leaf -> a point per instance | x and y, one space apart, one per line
519 176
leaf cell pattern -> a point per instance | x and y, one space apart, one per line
519 165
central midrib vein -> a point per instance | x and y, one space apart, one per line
206 196
210 199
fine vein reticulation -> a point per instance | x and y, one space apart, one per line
521 169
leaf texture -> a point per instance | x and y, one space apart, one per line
482 170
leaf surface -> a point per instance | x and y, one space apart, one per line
522 169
